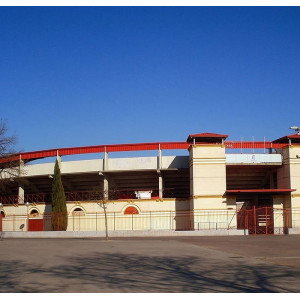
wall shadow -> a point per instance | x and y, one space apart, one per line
108 272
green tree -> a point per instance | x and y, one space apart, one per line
59 207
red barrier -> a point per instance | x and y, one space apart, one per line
260 220
136 147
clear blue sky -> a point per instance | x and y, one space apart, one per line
76 76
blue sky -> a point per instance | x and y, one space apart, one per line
77 76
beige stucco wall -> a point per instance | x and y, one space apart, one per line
288 176
208 186
164 215
294 151
208 176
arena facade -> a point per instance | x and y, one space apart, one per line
237 186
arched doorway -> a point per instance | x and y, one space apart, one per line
79 221
34 213
35 222
78 212
131 218
2 216
131 210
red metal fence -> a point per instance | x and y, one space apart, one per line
267 220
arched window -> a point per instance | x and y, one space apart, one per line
2 214
131 210
33 213
78 212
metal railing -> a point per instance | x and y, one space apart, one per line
89 195
256 221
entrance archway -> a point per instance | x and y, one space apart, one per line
131 210
2 216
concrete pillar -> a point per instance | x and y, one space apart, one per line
207 176
21 193
160 186
105 188
159 159
160 179
288 177
105 161
58 158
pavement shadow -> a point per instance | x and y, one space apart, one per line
107 272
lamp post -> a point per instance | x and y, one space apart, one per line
27 206
1 206
296 128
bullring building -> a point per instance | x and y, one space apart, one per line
234 187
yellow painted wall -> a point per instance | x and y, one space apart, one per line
208 176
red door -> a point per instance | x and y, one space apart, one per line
259 219
2 216
35 225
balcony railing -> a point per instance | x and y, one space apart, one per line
82 196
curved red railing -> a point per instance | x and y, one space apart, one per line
26 156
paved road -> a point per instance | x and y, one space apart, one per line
176 264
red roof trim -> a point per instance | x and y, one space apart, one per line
287 138
207 137
27 156
208 134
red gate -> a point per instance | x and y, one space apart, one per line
35 225
259 220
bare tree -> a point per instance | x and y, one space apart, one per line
103 198
103 204
9 162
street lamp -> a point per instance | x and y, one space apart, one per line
296 128
27 206
1 206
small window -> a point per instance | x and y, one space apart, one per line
34 213
131 210
2 214
78 212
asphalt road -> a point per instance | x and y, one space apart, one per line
247 264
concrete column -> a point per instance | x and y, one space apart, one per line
159 159
160 186
21 193
207 176
105 161
160 179
58 157
289 177
278 202
105 188
21 168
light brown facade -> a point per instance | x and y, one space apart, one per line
208 188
